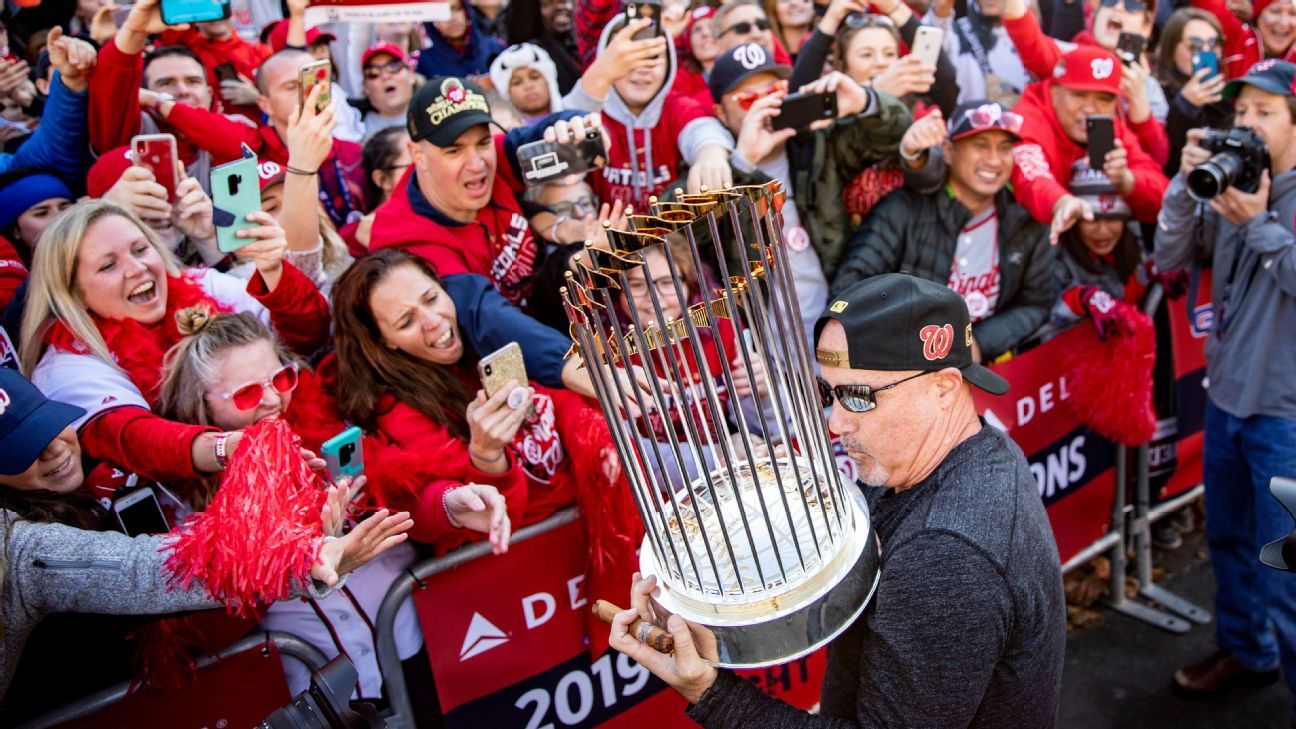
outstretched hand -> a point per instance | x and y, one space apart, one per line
371 537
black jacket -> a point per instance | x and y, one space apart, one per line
916 233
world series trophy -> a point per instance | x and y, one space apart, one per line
752 536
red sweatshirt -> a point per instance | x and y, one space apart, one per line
12 272
1040 53
498 244
244 55
1045 155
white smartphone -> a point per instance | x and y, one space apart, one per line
139 513
927 44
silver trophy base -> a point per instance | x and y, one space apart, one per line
776 630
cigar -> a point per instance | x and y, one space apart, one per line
648 634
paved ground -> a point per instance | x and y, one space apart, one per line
1118 670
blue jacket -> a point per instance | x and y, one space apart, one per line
489 321
59 142
443 59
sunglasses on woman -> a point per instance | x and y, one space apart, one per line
857 398
1133 6
391 67
1203 44
745 99
868 20
247 397
744 27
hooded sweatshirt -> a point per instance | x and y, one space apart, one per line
647 149
444 58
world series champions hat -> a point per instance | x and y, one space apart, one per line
445 107
897 322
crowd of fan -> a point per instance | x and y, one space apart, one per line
397 242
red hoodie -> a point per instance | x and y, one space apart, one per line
1045 152
1040 53
244 55
498 244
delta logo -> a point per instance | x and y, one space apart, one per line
482 636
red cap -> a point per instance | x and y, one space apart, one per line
390 49
277 38
1258 7
107 170
271 173
1089 68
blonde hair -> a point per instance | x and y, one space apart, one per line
53 296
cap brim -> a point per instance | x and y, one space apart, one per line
1090 86
448 132
985 379
974 132
1234 87
38 428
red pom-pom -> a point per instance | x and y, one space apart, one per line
259 534
1110 382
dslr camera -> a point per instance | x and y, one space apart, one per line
327 703
1239 155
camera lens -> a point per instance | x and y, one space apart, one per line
345 453
1213 176
488 370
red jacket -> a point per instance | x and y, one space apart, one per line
1045 155
693 85
12 272
1040 53
498 244
244 55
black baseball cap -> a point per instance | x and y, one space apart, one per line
897 322
735 65
28 421
1271 75
445 107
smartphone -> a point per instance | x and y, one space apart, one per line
157 154
139 513
311 75
175 12
541 161
927 44
344 453
649 10
1102 139
1205 59
236 192
1130 47
801 110
500 366
226 72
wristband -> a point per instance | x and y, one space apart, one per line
298 171
222 460
445 504
553 229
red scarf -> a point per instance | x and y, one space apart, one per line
139 348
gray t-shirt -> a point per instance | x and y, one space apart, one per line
968 624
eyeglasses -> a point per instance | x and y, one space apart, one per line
868 20
745 99
1133 6
247 397
376 70
745 26
1203 44
857 398
578 208
665 286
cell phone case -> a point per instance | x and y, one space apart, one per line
927 44
541 161
310 76
344 453
236 192
175 12
500 366
157 154
1206 59
652 11
801 110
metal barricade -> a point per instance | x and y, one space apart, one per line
288 645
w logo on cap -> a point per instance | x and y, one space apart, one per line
268 170
4 401
751 56
1102 67
937 341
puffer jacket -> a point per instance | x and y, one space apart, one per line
917 233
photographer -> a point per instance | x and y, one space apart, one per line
1251 409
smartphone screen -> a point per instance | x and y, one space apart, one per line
314 74
649 10
1102 139
802 110
157 154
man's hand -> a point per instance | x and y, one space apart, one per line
1238 207
755 139
102 26
1193 153
1134 88
851 97
1068 211
622 55
906 76
192 213
370 538
14 73
145 19
297 8
685 670
837 11
924 134
710 169
239 91
138 190
1201 91
1116 167
73 58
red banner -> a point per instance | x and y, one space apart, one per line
376 11
1177 458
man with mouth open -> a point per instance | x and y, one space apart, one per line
963 228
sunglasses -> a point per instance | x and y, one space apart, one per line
247 397
988 116
868 20
745 27
745 99
857 398
391 67
1133 6
1203 44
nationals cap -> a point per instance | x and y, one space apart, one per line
445 107
897 322
1271 75
390 49
1089 68
28 422
734 66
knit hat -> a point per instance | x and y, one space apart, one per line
1089 68
22 195
107 170
277 37
526 55
1095 188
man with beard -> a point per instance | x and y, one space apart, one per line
967 626
548 24
985 61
